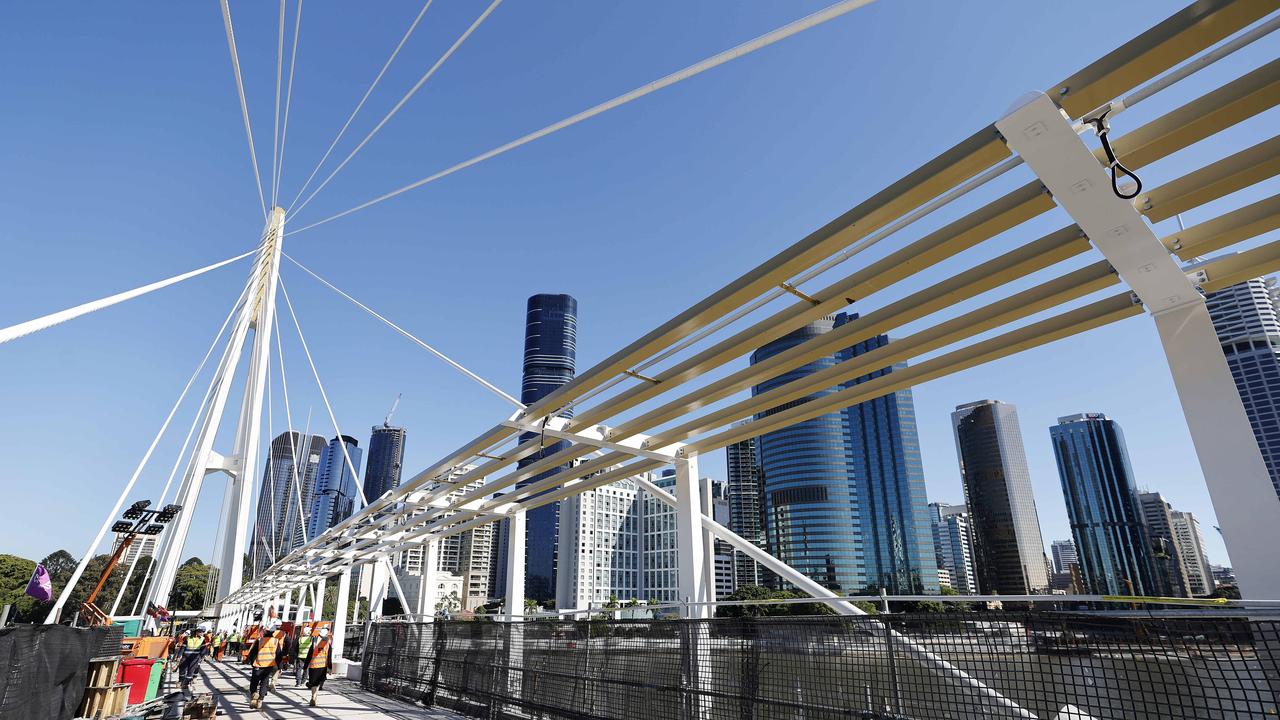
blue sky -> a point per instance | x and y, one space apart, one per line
124 160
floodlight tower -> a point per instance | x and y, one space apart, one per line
256 314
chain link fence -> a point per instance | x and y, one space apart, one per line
891 667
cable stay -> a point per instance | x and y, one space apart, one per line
338 431
13 332
452 363
142 464
275 131
244 106
412 91
288 101
356 111
822 16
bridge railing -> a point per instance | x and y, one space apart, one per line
1167 667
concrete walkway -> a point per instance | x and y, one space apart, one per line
229 684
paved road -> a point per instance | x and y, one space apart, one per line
340 699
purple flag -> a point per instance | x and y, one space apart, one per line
39 587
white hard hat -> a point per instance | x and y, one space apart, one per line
324 632
273 624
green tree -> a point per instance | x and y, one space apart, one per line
758 593
189 585
60 564
15 573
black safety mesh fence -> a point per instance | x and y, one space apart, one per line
353 643
43 668
960 666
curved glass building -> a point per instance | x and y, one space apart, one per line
550 354
843 494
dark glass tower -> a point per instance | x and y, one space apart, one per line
1008 548
386 454
843 495
336 495
277 526
550 352
1102 503
743 490
896 530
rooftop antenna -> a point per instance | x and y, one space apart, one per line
386 422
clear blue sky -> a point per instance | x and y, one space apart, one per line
123 160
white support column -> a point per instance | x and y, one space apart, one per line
513 608
317 602
340 612
377 588
430 578
257 314
691 555
708 546
1243 498
513 595
249 429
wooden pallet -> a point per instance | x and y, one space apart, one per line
103 702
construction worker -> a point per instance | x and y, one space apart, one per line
193 648
319 663
301 647
264 656
233 641
219 645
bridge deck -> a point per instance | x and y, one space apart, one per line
340 699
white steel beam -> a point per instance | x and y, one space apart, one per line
691 554
1244 500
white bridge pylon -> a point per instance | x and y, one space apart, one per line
256 316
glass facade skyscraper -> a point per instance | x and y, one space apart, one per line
336 496
386 454
1245 319
1008 547
1111 538
743 494
277 526
1164 550
843 494
550 353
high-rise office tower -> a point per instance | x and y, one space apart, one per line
277 526
1245 318
337 495
142 546
1064 555
725 581
1102 504
550 352
843 494
463 559
1170 571
952 545
743 493
1186 535
297 517
658 539
600 546
386 454
1008 548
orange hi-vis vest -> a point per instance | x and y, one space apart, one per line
267 650
319 654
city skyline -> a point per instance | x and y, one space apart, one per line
118 462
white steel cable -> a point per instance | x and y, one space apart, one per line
455 365
360 104
177 461
275 130
829 13
133 479
244 106
946 198
412 91
295 484
288 101
14 332
404 600
1225 49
